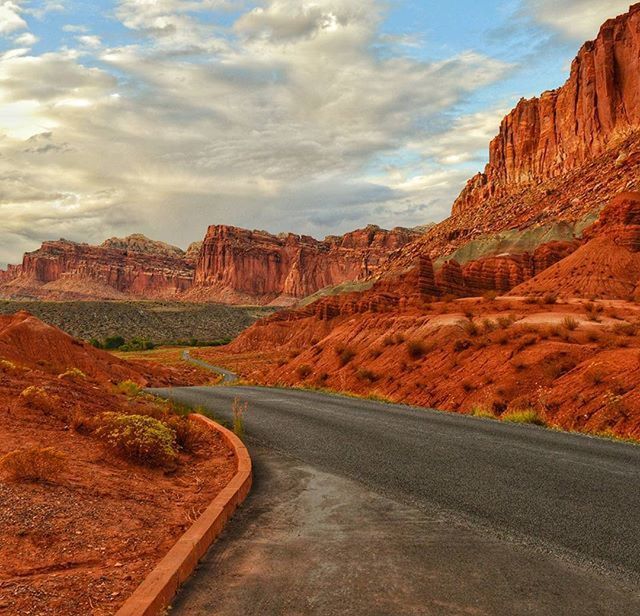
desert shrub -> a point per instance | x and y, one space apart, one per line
94 342
468 386
345 355
33 464
518 365
594 376
526 341
304 371
528 416
189 434
113 342
400 338
239 408
73 373
490 295
550 298
469 327
483 410
461 345
130 388
367 375
469 314
416 349
139 438
488 325
570 323
388 341
505 322
375 353
625 329
555 367
37 398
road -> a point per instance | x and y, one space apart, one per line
561 512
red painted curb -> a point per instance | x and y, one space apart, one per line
158 589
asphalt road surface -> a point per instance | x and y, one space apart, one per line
367 508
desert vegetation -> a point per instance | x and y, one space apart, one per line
133 325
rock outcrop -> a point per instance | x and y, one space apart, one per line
120 268
237 265
606 265
551 135
560 157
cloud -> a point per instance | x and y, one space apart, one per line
89 40
10 17
297 118
28 39
576 19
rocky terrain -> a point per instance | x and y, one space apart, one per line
79 527
231 265
158 322
559 157
240 266
131 267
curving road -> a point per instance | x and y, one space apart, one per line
555 506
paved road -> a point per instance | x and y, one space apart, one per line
571 500
227 375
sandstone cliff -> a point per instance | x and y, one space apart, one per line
558 157
237 265
120 268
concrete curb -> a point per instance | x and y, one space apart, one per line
158 589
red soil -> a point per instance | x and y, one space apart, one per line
79 545
585 379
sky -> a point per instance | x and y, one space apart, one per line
313 116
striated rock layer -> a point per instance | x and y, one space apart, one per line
551 135
558 157
238 265
120 268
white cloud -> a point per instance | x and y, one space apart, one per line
89 40
576 19
10 18
27 39
282 121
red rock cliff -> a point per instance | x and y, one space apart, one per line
240 265
551 135
130 267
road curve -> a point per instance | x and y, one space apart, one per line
227 375
566 492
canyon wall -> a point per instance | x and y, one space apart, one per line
238 265
133 267
559 131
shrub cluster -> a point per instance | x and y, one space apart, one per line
33 464
139 438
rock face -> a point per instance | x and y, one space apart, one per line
560 157
237 265
120 268
551 135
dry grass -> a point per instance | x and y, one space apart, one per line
33 464
526 416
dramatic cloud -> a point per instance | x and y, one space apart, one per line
576 19
299 115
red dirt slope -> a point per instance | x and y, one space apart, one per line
606 266
80 543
